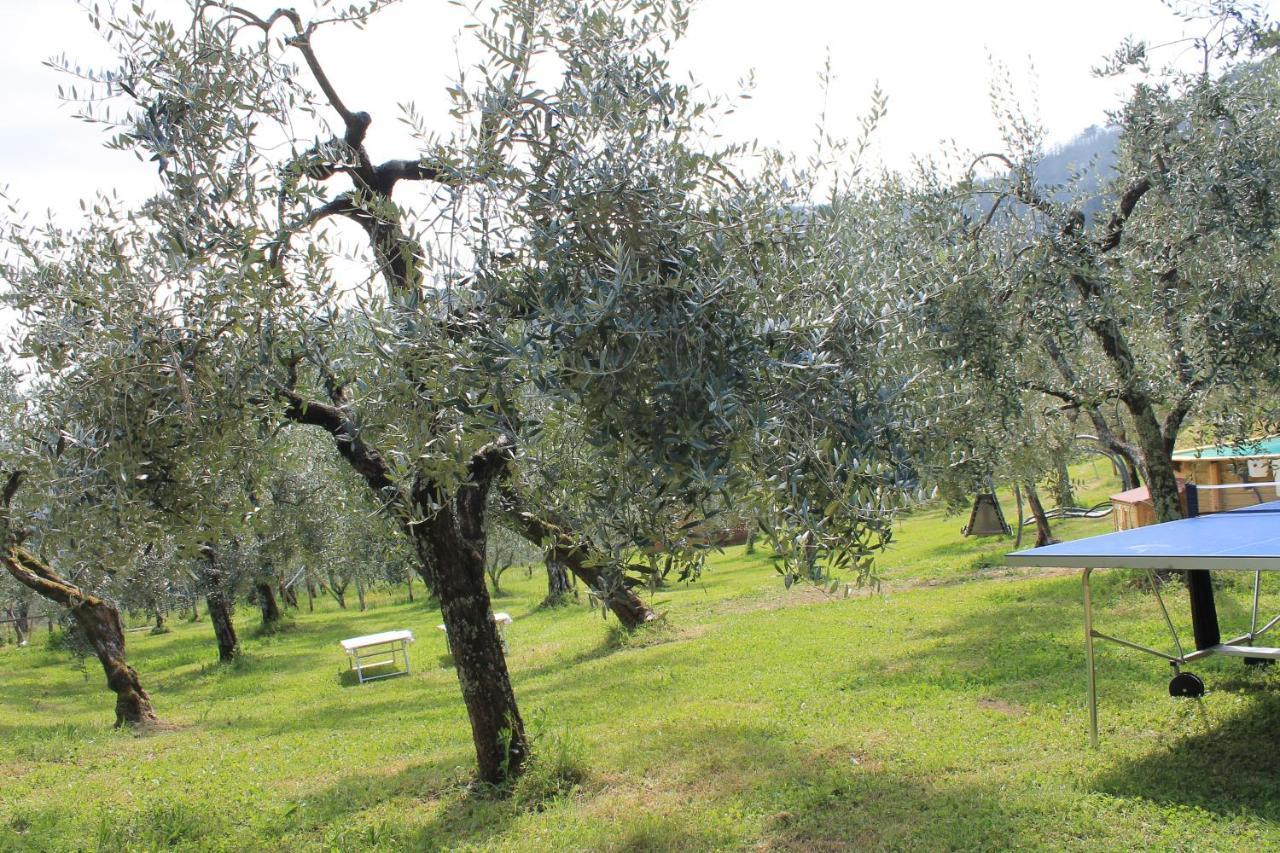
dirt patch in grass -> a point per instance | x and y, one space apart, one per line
1001 706
803 595
797 596
1008 573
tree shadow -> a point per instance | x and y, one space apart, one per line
813 800
1229 768
1025 641
467 812
611 643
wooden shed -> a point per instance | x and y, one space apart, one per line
1133 508
1221 464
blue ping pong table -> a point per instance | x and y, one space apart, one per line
1246 539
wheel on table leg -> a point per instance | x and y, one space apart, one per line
1186 684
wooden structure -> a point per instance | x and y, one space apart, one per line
1225 464
986 518
1133 508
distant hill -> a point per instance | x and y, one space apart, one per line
1089 157
1081 167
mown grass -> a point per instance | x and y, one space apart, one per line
943 714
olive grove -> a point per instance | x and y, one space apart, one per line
589 269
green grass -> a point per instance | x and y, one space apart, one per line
945 713
928 548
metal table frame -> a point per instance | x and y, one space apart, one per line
1232 647
391 643
1182 548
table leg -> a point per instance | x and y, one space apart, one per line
1091 676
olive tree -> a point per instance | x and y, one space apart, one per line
1137 317
589 261
60 533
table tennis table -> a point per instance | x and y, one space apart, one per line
1243 539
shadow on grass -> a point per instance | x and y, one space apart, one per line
615 640
1228 769
466 813
1024 641
372 675
799 799
1011 647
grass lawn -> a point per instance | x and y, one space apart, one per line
947 711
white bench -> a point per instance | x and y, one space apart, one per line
388 643
502 619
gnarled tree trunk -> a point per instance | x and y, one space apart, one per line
497 729
221 608
100 622
1044 534
98 619
557 584
267 604
224 629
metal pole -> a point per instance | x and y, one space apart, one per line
1088 655
1257 588
1017 496
1173 632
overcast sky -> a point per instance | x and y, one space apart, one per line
932 58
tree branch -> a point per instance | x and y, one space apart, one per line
1065 396
302 41
1128 201
13 482
366 460
576 553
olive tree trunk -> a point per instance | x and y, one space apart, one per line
20 614
220 601
100 622
102 627
98 619
558 587
1044 534
268 604
447 532
497 730
224 629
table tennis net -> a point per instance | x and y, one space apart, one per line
1212 499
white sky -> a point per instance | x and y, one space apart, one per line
931 57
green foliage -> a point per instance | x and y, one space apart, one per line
1119 308
558 768
68 639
